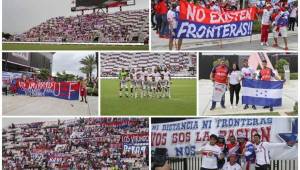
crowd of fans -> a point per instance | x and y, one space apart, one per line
84 143
97 27
179 64
281 15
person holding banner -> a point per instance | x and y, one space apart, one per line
262 150
83 90
265 24
281 27
266 74
248 73
211 152
172 16
219 77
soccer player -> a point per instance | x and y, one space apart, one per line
167 76
146 86
132 83
139 86
153 87
163 84
157 76
123 82
248 73
210 154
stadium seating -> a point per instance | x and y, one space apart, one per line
179 63
118 27
84 143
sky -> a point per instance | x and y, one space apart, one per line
69 62
8 121
20 15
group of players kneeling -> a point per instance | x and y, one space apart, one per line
145 83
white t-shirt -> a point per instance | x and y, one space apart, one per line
294 13
171 17
247 72
234 77
262 151
210 162
235 166
143 74
166 75
157 76
265 19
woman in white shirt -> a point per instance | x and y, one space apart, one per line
234 84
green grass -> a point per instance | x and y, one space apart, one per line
32 47
182 102
256 114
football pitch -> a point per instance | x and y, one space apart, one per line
46 47
182 101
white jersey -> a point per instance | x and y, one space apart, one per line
228 166
139 82
143 74
157 76
166 75
146 84
153 84
248 72
262 151
163 83
133 82
210 162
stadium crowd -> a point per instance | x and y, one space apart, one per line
179 64
279 16
84 143
97 27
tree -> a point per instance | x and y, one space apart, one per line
43 74
279 65
63 76
89 64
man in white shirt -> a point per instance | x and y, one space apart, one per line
248 73
210 154
167 77
232 163
265 24
262 150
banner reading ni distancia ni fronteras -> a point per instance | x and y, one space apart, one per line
196 22
184 138
62 90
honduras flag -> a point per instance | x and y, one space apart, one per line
262 93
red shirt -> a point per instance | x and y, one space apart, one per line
162 8
265 74
220 74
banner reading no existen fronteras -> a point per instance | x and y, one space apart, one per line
196 22
184 138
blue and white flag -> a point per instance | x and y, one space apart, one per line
262 93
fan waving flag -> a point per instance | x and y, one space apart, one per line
262 93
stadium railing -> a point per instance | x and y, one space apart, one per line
194 163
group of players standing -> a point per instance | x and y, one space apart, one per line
145 83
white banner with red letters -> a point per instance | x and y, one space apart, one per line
184 138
